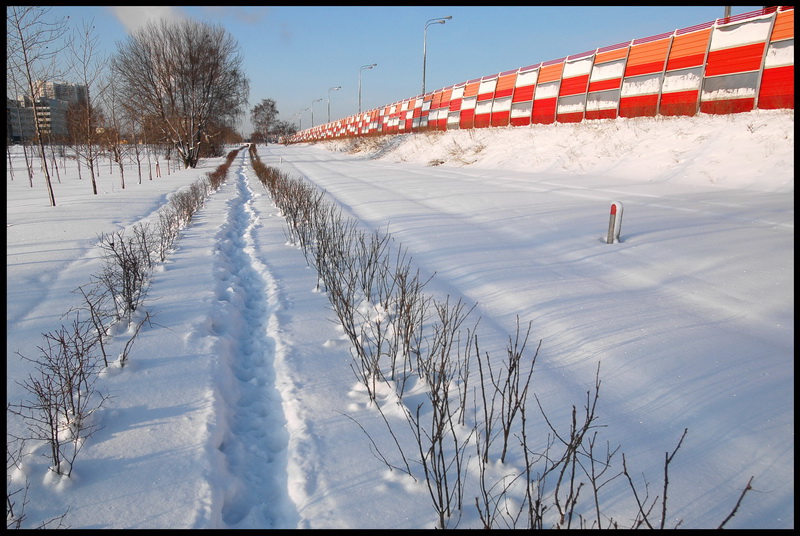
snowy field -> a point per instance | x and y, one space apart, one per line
239 407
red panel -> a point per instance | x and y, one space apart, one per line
505 84
446 96
685 62
467 118
482 121
602 114
544 111
572 117
731 106
777 88
520 121
602 85
775 102
735 60
523 94
574 85
645 68
679 103
500 119
639 106
485 97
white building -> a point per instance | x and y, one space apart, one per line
52 101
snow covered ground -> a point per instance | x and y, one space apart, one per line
239 407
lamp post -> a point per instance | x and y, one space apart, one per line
424 45
336 88
312 111
359 82
300 118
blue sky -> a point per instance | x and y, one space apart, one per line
295 54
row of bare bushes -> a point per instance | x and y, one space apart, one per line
62 392
466 411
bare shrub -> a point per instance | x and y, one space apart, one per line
100 315
63 395
17 495
411 310
441 440
168 229
126 272
396 330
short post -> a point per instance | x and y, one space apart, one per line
614 223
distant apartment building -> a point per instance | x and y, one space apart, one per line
19 122
52 101
61 91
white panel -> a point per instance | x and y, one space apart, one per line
683 80
458 92
608 70
527 78
577 67
521 109
571 104
546 90
483 107
745 33
502 104
487 86
468 103
734 86
780 53
642 85
602 100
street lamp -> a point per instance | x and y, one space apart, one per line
312 111
359 82
337 88
300 118
424 45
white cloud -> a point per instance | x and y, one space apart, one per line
135 17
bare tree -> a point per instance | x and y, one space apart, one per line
285 129
32 44
112 134
187 74
264 117
89 67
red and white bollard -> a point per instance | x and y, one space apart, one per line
614 223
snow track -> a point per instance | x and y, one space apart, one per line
254 442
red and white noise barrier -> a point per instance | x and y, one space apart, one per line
729 65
